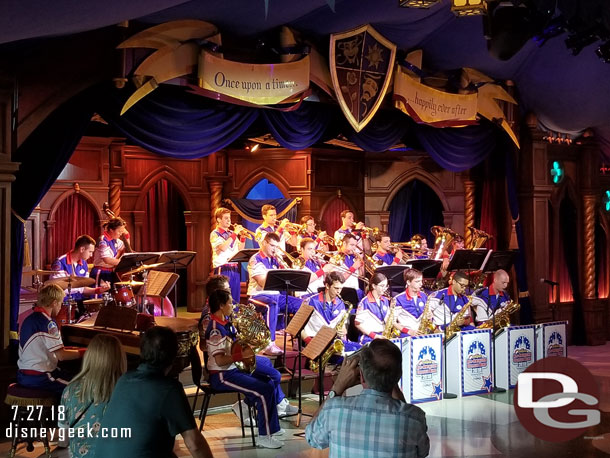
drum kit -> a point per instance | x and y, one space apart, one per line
121 294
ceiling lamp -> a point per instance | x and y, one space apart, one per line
417 3
469 7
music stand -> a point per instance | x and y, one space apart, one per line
179 259
429 268
468 260
295 328
286 280
130 260
315 349
243 255
349 295
395 276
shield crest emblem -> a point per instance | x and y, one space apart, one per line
361 65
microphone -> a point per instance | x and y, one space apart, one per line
549 282
440 301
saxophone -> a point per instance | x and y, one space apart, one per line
453 327
253 334
502 316
426 325
389 331
337 346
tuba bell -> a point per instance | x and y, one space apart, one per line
478 238
443 236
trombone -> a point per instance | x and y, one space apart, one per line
295 263
243 232
337 261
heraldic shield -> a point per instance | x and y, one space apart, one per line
361 65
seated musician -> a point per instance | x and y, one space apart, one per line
456 244
449 302
492 299
74 264
213 283
373 310
313 265
269 214
384 252
258 266
309 224
420 244
351 265
410 304
225 244
108 251
41 347
328 310
262 387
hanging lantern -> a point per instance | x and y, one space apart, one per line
469 7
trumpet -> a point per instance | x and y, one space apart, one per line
243 232
294 227
295 263
370 231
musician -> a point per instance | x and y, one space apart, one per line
225 244
448 302
351 266
410 303
373 310
262 387
41 347
269 214
313 265
492 299
456 244
309 223
328 310
421 242
213 283
384 251
258 266
108 251
74 264
349 227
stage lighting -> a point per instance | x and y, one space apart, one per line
417 3
468 7
603 52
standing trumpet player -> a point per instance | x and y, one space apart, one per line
225 244
271 225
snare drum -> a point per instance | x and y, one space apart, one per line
93 305
123 295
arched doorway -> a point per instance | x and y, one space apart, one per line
164 228
414 210
330 219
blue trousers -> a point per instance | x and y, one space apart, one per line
261 388
232 273
276 304
54 381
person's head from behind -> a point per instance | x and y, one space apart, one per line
104 362
159 347
221 300
380 364
216 282
50 298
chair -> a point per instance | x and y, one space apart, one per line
208 392
23 397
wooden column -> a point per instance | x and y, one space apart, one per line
469 208
589 202
114 195
216 185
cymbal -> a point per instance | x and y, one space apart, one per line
142 268
130 283
39 272
73 282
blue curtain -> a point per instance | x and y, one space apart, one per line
386 129
414 210
251 208
43 155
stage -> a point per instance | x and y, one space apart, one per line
475 426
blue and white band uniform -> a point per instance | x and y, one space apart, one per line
408 310
261 232
314 267
220 259
388 259
64 266
340 233
327 314
488 302
371 316
451 305
106 247
352 279
262 387
313 237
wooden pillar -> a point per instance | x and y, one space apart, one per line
114 195
216 185
469 208
589 202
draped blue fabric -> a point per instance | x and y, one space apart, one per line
386 129
43 155
252 207
300 128
458 149
414 210
176 123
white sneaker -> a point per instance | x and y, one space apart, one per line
284 408
244 409
281 432
273 350
268 442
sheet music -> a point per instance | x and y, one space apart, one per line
160 283
299 320
320 342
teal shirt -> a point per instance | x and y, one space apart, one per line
152 407
89 421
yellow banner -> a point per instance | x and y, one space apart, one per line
262 84
431 106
